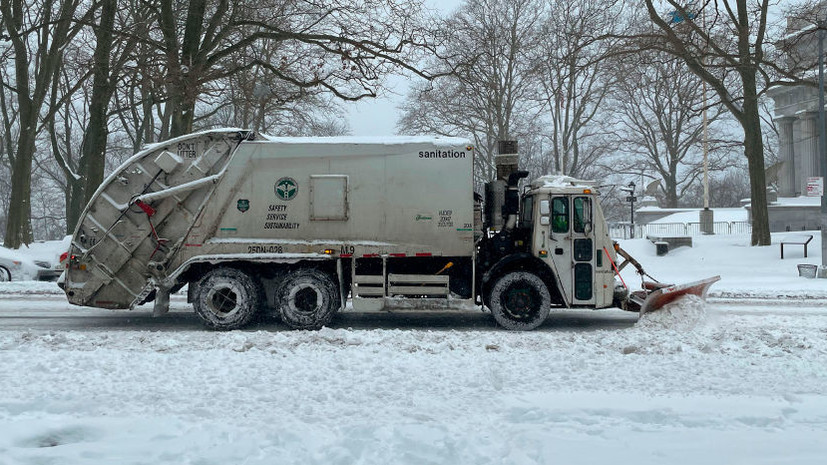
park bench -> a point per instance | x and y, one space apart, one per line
796 239
663 244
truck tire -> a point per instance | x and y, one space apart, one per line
520 301
5 275
227 298
307 299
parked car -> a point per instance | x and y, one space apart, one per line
41 261
15 267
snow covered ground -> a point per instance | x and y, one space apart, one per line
733 381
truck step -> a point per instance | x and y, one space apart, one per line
368 285
418 284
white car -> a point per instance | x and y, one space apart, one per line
15 267
41 261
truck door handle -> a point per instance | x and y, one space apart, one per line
558 251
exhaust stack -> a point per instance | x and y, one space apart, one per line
502 199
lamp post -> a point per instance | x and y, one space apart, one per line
631 199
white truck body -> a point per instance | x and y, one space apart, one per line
220 197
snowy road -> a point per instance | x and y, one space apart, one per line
52 312
746 382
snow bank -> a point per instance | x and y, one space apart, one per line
685 314
692 215
8 289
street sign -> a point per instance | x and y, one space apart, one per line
815 186
631 198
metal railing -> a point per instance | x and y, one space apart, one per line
624 230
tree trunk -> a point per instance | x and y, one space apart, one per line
94 140
19 223
754 151
74 204
185 86
671 193
182 115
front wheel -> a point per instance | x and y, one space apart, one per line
5 275
227 299
520 301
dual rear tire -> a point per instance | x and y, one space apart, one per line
229 298
307 299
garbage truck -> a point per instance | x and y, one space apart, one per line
294 228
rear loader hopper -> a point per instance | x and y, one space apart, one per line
137 221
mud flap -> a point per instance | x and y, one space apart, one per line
665 295
161 301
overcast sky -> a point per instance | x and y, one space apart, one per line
377 117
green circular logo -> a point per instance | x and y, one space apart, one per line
286 188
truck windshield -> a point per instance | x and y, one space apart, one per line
582 213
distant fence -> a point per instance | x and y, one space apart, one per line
624 230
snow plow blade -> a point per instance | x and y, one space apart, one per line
666 295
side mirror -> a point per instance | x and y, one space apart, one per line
544 220
544 207
587 228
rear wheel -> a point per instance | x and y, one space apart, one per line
227 299
5 275
520 301
307 299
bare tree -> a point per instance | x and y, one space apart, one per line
254 98
489 96
38 33
574 80
343 47
725 43
660 124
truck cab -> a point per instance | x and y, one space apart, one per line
569 234
556 254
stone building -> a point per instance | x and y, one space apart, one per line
796 117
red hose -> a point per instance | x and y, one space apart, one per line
617 272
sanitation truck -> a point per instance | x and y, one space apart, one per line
293 228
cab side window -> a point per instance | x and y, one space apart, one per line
582 213
527 212
560 215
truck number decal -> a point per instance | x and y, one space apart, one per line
265 249
445 219
347 250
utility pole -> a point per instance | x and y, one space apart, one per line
706 218
822 143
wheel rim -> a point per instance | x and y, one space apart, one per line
223 301
521 301
4 275
305 299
